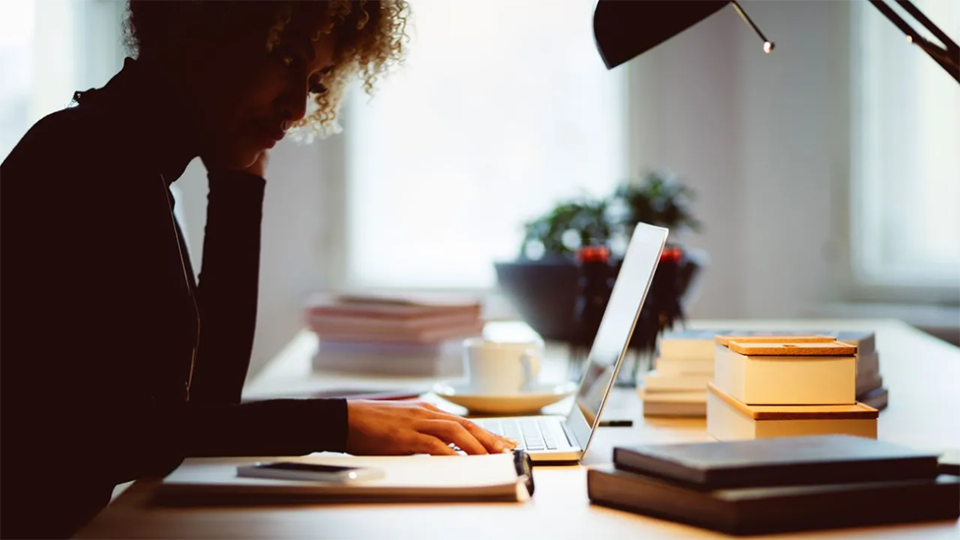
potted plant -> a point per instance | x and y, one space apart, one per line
543 282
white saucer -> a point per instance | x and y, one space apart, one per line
537 398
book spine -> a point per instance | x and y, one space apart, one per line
687 349
672 367
655 382
648 496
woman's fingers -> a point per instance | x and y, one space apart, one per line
452 432
434 408
492 442
428 444
383 427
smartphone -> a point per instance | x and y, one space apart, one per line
309 472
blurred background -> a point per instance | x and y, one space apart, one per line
826 174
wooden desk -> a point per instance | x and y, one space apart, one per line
921 373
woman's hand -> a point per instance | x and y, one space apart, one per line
400 427
259 167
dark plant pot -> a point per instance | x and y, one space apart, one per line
545 295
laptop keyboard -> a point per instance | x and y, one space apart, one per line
531 434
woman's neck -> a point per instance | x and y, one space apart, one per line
153 97
177 121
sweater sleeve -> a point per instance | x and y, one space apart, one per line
228 288
279 427
227 301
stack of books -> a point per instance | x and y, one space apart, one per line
870 390
395 335
677 387
779 386
678 384
778 485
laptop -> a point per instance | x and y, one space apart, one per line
567 438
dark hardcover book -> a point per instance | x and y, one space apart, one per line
781 461
778 509
950 462
866 342
875 398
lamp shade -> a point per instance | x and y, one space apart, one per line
624 29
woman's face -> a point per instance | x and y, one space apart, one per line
247 99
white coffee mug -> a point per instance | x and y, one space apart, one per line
499 368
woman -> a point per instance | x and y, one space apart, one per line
116 365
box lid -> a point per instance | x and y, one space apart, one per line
832 348
773 338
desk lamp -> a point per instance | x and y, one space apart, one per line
624 29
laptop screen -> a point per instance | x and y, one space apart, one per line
616 328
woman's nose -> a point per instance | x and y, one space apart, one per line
293 104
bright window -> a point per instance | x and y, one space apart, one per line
16 65
503 107
48 50
906 162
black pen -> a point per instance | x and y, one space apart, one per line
616 423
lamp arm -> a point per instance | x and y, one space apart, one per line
928 24
945 56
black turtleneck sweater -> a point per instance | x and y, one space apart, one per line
101 312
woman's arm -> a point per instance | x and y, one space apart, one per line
229 282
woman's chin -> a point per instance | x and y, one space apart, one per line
241 157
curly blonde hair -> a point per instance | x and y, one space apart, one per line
369 36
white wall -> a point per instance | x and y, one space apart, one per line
793 154
684 97
296 229
756 136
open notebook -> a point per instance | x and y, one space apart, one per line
495 477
